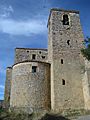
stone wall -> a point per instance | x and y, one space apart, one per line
62 84
66 60
8 87
23 54
86 84
30 89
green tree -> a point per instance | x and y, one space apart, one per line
86 51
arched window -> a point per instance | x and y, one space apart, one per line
65 20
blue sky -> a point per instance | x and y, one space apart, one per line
23 23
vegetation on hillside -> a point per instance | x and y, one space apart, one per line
86 51
6 115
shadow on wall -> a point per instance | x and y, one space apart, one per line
53 117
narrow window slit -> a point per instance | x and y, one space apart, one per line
61 61
63 82
68 42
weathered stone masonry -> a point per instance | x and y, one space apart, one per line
66 60
57 78
31 89
8 87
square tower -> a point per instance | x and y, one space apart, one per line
64 53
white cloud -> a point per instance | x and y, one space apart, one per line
14 27
1 86
5 11
27 27
10 9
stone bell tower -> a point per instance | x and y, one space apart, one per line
64 47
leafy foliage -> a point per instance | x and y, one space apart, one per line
86 51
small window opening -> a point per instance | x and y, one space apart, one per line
60 33
61 61
33 56
54 33
27 51
63 82
68 42
39 52
43 57
65 20
34 69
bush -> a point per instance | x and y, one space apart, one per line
53 117
86 51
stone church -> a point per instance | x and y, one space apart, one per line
57 78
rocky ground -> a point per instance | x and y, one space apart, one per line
6 115
53 117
